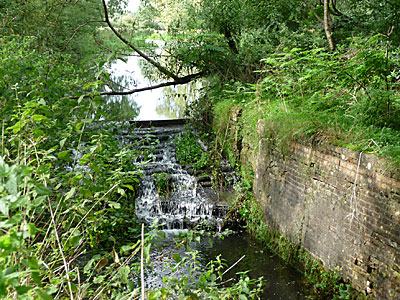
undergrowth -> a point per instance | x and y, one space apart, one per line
67 189
349 98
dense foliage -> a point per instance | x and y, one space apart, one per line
64 180
322 71
274 60
67 185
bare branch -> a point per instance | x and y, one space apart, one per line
78 28
143 55
313 11
181 80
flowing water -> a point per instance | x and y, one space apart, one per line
192 200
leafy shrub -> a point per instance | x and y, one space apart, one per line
189 152
163 183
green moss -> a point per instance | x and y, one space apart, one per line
280 130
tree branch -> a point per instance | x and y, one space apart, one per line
78 28
327 26
180 80
143 55
313 11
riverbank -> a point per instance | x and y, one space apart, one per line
329 210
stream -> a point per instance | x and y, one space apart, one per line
192 200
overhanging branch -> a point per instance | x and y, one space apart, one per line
137 50
180 80
177 80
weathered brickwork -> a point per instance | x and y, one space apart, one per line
340 206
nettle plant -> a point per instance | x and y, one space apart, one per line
67 186
21 198
64 183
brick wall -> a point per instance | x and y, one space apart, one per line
339 205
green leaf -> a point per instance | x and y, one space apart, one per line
126 249
62 143
70 193
85 158
87 121
4 168
147 253
114 204
99 279
121 191
42 102
124 274
80 99
5 242
11 185
4 206
17 126
23 289
115 256
43 295
36 278
39 118
242 297
33 263
43 190
177 257
75 240
38 201
128 186
64 155
32 229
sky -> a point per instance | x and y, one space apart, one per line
133 5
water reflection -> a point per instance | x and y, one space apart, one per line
282 282
159 104
175 99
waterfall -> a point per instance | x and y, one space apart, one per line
190 202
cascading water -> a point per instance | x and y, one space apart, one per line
190 202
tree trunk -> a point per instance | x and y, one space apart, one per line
231 42
327 25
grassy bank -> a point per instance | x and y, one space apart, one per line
237 123
349 98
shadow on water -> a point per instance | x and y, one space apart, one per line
281 281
